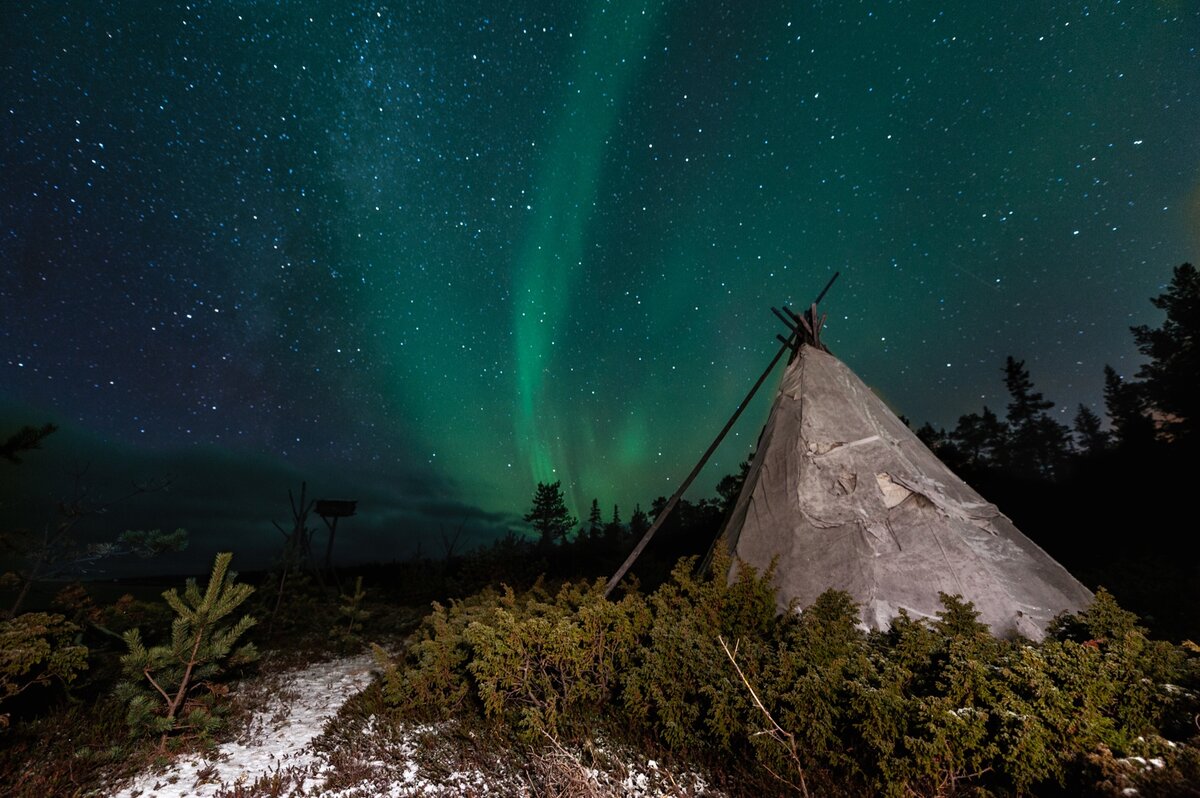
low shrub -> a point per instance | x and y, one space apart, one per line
533 661
37 649
69 751
432 682
681 687
929 706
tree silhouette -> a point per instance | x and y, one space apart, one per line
595 522
1169 380
614 528
23 440
639 522
1037 444
1089 431
1126 408
933 437
980 438
730 486
549 515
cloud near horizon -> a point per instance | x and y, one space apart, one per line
228 500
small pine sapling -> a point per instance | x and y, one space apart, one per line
351 615
172 687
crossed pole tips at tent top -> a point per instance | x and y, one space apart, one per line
804 329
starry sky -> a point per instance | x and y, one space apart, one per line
431 253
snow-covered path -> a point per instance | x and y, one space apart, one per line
275 755
294 716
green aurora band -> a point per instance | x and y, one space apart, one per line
552 252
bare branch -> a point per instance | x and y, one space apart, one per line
161 691
777 732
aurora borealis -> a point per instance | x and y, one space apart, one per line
447 250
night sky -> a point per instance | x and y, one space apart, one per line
427 254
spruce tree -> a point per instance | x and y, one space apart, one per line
352 615
614 528
1037 444
1089 431
931 436
639 522
980 438
24 440
595 521
1126 408
1170 378
730 486
164 683
549 515
1027 404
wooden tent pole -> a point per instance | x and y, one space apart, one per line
675 497
790 343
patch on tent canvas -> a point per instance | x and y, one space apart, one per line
893 492
985 524
980 514
821 523
892 530
1029 628
875 534
820 449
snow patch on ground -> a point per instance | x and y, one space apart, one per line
448 759
279 741
282 752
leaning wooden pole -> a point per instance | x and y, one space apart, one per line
678 494
789 343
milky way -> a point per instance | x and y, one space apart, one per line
487 245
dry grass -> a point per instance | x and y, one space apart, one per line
556 772
370 751
282 783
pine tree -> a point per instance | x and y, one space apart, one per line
352 614
1089 431
595 522
36 649
730 486
1170 378
614 528
980 438
200 650
1037 444
24 440
638 522
1027 404
549 515
1126 408
931 436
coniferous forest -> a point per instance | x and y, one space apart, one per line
511 664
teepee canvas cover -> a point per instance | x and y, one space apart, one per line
847 497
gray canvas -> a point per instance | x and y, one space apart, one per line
847 497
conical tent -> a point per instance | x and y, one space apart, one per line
845 496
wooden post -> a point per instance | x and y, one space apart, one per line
791 343
678 494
